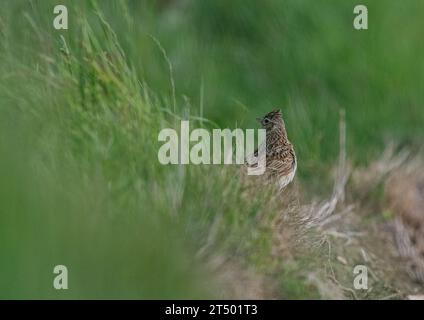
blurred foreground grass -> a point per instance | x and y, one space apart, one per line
80 111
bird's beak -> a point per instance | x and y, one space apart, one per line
259 120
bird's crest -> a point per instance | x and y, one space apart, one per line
274 114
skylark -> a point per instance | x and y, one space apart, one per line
281 163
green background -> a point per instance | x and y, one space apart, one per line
80 111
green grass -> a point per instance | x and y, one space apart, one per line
80 111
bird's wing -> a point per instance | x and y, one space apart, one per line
281 164
279 167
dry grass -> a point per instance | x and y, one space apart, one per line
399 176
405 198
337 233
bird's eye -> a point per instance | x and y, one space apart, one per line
266 121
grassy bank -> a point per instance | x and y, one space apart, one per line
80 111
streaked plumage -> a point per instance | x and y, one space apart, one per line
281 162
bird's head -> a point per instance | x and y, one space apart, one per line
272 120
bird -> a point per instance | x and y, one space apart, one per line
281 161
